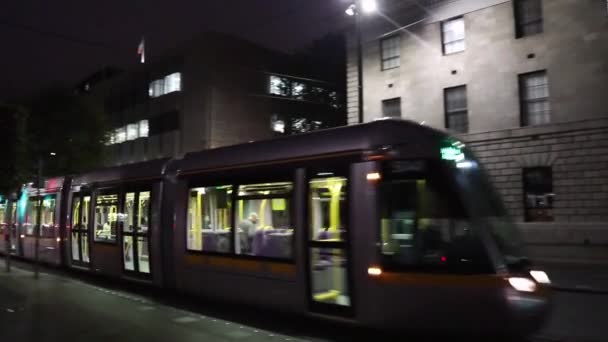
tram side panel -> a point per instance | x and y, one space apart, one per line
233 278
156 235
49 241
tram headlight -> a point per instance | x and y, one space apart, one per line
374 271
522 284
540 276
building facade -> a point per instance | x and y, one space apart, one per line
524 83
213 91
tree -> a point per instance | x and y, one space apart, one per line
73 128
13 170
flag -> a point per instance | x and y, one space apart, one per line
141 50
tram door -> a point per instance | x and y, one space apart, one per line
328 259
135 232
79 235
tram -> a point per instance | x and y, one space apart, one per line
387 224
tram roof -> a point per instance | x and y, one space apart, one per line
331 141
138 171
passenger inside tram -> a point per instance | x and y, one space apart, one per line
266 230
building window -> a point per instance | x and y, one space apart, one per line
298 90
209 219
173 82
132 131
263 220
528 17
456 117
142 127
106 217
168 84
453 35
390 52
277 124
163 123
279 86
391 108
120 135
538 194
534 98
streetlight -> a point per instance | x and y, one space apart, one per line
366 6
39 215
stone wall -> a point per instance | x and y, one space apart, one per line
577 153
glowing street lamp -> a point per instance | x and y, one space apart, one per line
366 6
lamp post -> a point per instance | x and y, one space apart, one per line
8 230
356 9
38 216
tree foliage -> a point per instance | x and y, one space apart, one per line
73 127
13 143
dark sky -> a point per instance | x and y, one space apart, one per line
61 41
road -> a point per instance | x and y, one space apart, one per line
57 307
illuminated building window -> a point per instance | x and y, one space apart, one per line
456 112
120 135
528 17
277 124
168 84
534 98
173 82
143 128
390 51
538 194
453 35
279 86
391 108
298 90
132 131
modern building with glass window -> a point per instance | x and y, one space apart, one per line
205 94
522 82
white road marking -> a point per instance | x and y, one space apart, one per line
185 319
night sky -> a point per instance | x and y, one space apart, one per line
61 41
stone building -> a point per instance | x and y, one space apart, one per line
524 83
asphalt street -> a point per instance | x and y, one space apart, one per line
61 307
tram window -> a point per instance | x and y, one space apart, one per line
75 212
327 208
424 225
2 215
264 220
209 219
47 216
31 218
143 208
106 217
129 211
84 224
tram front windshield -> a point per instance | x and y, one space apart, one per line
432 213
486 206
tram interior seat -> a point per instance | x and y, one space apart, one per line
216 240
